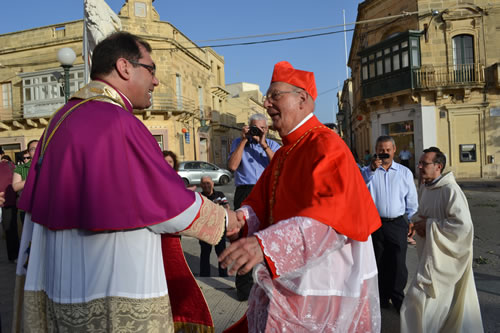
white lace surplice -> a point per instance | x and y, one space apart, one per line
327 282
84 281
73 266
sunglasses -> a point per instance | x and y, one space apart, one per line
27 158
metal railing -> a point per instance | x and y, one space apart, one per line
170 102
439 76
161 102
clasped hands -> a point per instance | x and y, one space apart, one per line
236 221
243 254
418 227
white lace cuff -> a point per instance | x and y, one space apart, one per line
297 242
251 219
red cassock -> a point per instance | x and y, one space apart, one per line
317 178
313 175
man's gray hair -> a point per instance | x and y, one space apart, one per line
256 117
385 138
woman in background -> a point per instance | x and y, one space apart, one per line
171 159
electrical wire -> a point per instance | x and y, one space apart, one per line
392 17
258 42
310 29
329 90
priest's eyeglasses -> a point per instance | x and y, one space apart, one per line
424 164
150 68
273 95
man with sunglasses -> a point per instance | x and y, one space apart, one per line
442 296
96 256
308 225
26 158
21 171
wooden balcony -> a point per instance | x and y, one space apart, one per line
448 76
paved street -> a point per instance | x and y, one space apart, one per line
221 297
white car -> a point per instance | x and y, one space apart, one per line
191 172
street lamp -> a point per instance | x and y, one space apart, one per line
66 57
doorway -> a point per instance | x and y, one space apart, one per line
403 135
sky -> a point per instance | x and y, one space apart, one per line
202 20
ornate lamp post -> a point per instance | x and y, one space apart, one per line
66 57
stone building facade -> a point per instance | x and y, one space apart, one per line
427 74
244 100
191 82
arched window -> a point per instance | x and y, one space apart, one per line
463 58
463 50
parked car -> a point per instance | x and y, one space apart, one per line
192 172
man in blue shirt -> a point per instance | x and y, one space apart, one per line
248 158
393 191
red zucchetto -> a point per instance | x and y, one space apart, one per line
284 72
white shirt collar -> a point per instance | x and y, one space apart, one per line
309 116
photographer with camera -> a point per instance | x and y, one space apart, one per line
248 158
393 191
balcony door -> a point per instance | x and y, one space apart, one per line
463 58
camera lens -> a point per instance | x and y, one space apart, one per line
255 131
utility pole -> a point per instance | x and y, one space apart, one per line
345 47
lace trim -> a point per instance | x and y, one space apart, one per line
209 227
252 220
272 308
109 314
295 244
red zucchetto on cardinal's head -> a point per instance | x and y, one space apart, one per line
284 72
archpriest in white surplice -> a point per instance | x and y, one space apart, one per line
442 296
98 197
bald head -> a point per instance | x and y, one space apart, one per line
207 185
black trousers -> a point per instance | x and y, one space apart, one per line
206 249
243 282
390 244
9 222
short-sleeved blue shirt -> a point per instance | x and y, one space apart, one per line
253 161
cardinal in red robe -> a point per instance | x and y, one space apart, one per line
308 225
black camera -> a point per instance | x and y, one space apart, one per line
254 131
381 156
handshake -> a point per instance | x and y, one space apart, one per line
235 223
